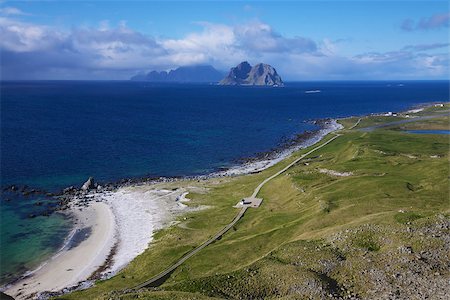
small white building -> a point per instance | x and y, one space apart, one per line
249 202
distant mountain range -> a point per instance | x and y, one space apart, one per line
243 74
183 74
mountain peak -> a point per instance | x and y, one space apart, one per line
196 73
245 74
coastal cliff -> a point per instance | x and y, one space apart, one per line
260 74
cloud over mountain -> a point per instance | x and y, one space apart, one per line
33 51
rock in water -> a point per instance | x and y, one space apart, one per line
245 74
89 184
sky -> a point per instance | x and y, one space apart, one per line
303 40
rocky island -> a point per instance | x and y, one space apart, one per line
260 74
186 74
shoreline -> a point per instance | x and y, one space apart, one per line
115 226
119 226
281 150
284 148
114 254
272 157
64 270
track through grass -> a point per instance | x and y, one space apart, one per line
393 181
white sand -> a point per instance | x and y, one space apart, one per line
260 165
128 217
68 267
139 212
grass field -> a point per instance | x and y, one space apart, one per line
439 123
367 121
342 211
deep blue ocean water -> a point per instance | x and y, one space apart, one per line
58 133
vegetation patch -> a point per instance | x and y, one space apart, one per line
327 205
313 232
407 217
367 241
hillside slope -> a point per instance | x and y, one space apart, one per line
366 216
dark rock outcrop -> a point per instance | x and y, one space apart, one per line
245 74
4 296
88 185
182 74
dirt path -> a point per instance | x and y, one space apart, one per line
161 276
258 188
371 128
193 252
356 124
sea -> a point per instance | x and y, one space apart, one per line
56 134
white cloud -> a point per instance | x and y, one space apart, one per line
328 47
436 21
118 52
226 45
11 11
260 37
25 37
103 25
213 42
424 47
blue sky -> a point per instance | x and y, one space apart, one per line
304 40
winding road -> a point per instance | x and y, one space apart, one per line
192 253
371 128
241 213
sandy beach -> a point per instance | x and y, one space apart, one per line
139 212
73 264
125 220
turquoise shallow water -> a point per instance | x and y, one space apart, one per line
58 133
25 242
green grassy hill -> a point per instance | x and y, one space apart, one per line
366 216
